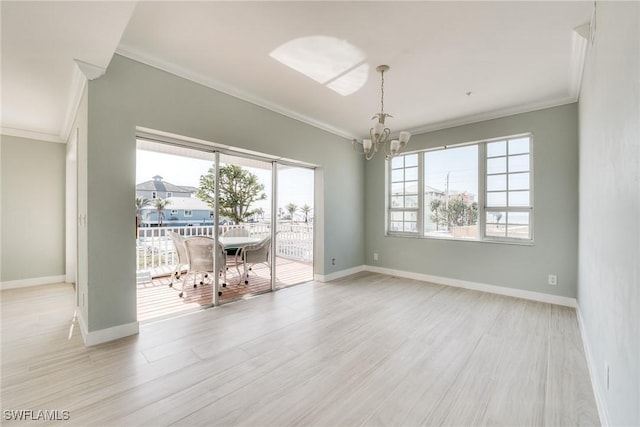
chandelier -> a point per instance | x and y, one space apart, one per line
379 132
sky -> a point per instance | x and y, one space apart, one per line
461 163
295 184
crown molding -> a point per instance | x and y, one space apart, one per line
228 90
579 45
490 115
78 84
24 133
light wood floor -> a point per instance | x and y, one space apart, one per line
366 350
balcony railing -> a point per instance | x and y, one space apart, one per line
154 248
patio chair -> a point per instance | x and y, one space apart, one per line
178 243
258 253
200 252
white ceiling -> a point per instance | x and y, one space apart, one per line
512 56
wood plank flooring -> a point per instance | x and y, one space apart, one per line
157 300
367 350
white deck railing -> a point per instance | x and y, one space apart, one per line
154 248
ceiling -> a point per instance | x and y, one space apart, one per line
510 56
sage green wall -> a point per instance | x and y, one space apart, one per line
609 266
555 165
132 94
33 176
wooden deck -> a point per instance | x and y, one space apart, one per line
157 300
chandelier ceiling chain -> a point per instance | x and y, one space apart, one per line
379 133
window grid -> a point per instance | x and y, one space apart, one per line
404 197
505 191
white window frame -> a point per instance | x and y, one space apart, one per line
169 194
154 195
189 214
481 199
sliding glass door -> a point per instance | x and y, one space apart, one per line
294 230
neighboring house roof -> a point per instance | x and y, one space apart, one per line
182 203
428 189
157 184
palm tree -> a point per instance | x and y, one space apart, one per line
291 208
306 209
259 213
141 202
160 204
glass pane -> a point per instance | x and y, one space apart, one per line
397 175
519 163
396 216
397 188
396 226
494 230
496 182
497 199
497 165
496 217
518 198
411 174
397 202
518 231
411 160
451 192
498 148
411 216
519 181
397 162
411 201
411 187
521 218
519 146
411 227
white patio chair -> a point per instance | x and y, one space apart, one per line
200 252
183 262
258 253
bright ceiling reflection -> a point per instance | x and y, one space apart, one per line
335 63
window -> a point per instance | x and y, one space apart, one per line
404 200
174 211
475 191
188 213
169 194
154 195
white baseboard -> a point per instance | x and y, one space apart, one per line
338 274
34 281
595 384
500 290
105 335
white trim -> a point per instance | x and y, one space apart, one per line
33 281
82 322
578 56
78 85
40 136
219 86
338 274
597 391
491 115
105 335
493 289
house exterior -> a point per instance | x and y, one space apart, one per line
180 211
159 189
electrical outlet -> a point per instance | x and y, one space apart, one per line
375 256
607 375
553 280
333 261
